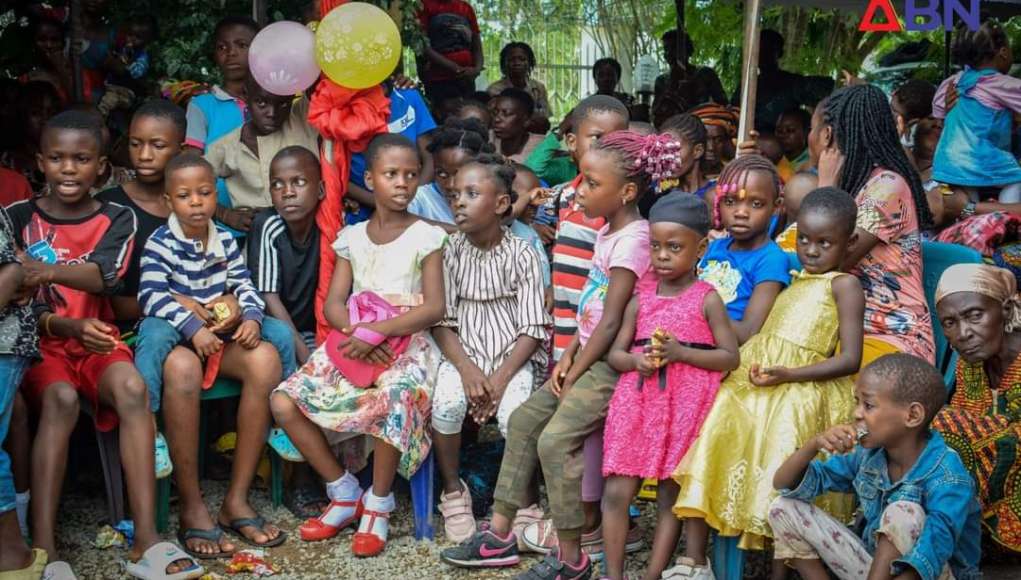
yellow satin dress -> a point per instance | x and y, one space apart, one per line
727 475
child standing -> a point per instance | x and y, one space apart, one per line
921 516
674 343
975 150
747 268
399 258
690 133
186 264
791 384
76 251
493 329
551 427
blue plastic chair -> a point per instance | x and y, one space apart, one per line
422 495
936 258
728 559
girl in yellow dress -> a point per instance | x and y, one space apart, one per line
791 385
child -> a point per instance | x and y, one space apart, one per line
18 349
552 425
721 128
794 192
284 253
453 145
453 54
37 102
911 102
76 252
792 131
398 257
690 133
522 216
127 63
674 343
186 264
492 337
512 109
747 268
917 497
791 384
242 156
975 150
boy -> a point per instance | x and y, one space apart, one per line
127 64
18 348
242 157
284 251
918 500
186 264
76 252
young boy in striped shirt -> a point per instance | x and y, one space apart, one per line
186 265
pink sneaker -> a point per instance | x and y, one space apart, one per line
524 518
458 519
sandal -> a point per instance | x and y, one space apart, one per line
259 523
213 535
372 541
282 444
59 570
154 563
31 572
164 467
316 529
301 500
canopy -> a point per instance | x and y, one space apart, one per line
998 8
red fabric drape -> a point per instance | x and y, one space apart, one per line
347 119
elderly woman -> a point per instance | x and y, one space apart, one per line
980 311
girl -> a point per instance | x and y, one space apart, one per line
791 385
451 147
494 326
689 131
864 156
747 268
517 61
398 257
975 148
551 426
667 388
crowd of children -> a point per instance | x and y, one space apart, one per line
744 325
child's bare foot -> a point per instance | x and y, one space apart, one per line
241 520
201 536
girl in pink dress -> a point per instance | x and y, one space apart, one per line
674 344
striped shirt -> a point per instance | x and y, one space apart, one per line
172 263
284 267
572 260
493 297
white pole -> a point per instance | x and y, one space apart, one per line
749 69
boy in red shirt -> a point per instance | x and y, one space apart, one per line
74 250
453 52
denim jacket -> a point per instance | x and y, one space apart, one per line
938 482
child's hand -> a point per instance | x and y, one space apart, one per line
195 308
831 161
751 146
839 439
547 299
769 376
560 373
239 218
644 365
36 273
206 343
96 336
229 323
476 387
249 334
669 351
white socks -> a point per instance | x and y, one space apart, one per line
21 502
380 526
344 489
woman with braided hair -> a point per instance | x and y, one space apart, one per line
864 157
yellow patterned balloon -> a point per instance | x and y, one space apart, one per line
357 45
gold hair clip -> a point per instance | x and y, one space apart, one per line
742 193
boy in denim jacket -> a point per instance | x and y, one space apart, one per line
921 517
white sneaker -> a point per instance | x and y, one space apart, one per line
687 569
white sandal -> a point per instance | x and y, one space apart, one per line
154 563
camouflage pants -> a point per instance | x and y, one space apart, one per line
552 433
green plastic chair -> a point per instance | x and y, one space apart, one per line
936 258
221 389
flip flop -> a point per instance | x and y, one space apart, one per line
154 562
211 535
59 570
258 522
282 444
31 572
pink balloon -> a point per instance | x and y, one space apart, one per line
282 58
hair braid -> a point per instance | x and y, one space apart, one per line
863 126
643 158
502 171
735 175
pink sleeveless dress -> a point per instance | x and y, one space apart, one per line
652 421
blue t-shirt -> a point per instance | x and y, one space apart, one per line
409 116
735 274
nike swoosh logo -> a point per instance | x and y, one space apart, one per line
487 552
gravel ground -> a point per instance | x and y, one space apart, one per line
84 511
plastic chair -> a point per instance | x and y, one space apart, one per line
221 389
936 258
422 495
